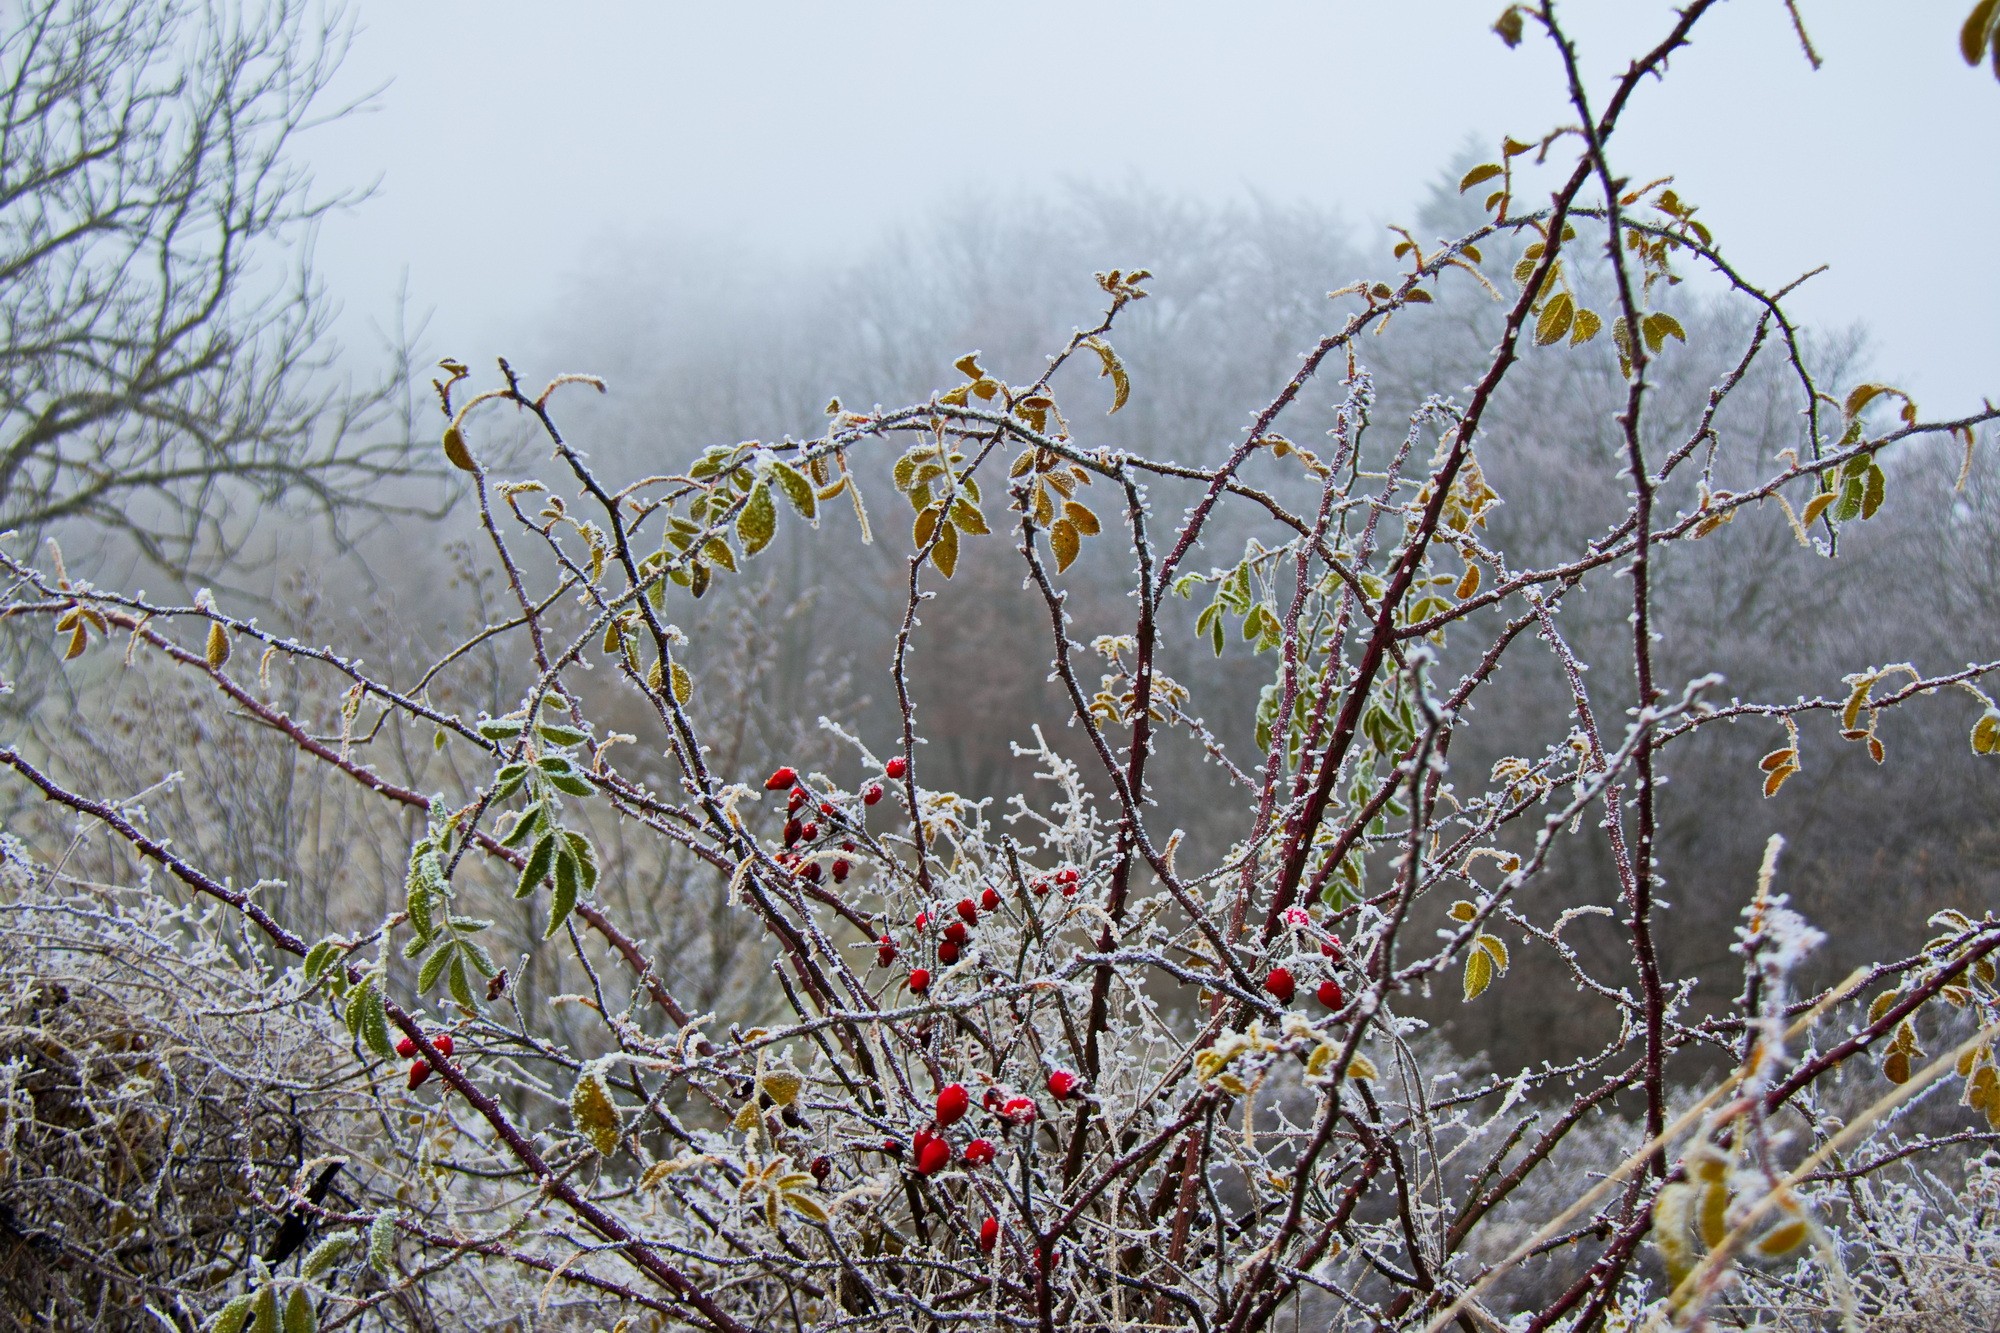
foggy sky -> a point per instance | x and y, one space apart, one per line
520 143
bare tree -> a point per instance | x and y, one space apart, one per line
164 349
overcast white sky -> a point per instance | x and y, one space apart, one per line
518 139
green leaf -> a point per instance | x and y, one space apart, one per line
482 961
375 1022
556 733
524 828
265 1311
461 986
562 902
683 684
1509 26
538 865
328 1253
1874 487
231 1317
300 1317
797 488
434 965
321 956
586 857
758 522
499 728
382 1243
1853 494
571 785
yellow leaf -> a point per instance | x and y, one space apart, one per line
1555 319
1468 585
1587 325
945 554
1660 326
1896 1067
218 645
1463 911
593 1112
1777 759
1714 1215
1081 517
1777 778
1121 383
1361 1067
455 450
1485 171
805 1206
746 1118
1816 506
1782 1239
781 1086
1986 733
1478 973
1495 946
683 684
1063 540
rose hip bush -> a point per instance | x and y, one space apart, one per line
1042 1062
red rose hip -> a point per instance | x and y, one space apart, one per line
1330 994
952 1103
896 767
989 1235
780 779
1279 983
933 1157
920 980
980 1152
1061 1084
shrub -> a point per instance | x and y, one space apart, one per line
1041 1060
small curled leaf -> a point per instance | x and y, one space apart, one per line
218 645
1121 383
1986 733
456 452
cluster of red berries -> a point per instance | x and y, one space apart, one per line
420 1068
802 825
932 1151
1067 879
1282 986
